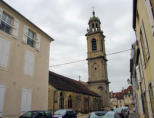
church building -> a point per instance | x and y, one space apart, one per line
84 96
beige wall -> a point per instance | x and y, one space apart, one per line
13 77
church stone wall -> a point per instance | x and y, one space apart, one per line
80 102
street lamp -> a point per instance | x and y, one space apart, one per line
128 81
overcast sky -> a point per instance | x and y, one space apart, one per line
67 20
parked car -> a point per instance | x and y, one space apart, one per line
104 114
97 114
36 114
65 113
122 111
112 114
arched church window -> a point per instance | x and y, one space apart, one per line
61 101
69 102
94 45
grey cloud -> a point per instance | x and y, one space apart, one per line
67 20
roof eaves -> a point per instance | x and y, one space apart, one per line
51 39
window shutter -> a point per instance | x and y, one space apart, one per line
141 69
38 39
25 33
140 103
23 101
29 63
26 100
15 28
2 94
141 51
29 100
138 74
4 52
151 17
1 13
152 85
145 42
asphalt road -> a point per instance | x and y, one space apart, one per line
83 116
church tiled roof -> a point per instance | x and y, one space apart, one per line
66 84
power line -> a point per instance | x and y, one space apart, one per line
68 63
85 59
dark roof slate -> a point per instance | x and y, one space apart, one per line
66 84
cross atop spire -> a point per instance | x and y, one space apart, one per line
93 10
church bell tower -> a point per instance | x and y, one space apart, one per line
97 67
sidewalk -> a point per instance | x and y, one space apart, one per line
80 115
133 115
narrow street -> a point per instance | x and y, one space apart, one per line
133 115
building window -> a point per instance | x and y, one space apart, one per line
5 23
94 45
30 38
61 101
69 102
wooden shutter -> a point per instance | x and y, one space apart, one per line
151 17
26 100
141 69
29 63
145 42
4 52
38 39
140 105
25 34
152 85
141 52
2 94
1 13
15 28
138 74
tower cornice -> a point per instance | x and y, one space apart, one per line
92 33
99 81
98 57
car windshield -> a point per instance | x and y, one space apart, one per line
47 113
109 114
60 112
97 115
29 114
